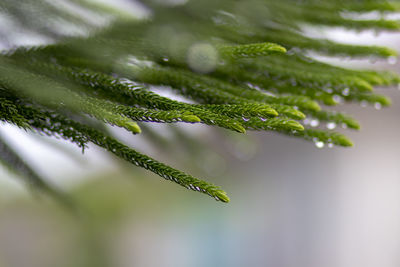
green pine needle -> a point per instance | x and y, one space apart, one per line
250 50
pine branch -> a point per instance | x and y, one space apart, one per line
244 64
81 134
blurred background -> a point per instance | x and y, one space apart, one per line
292 204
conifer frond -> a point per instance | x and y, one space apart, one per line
244 110
246 65
250 50
82 134
9 113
